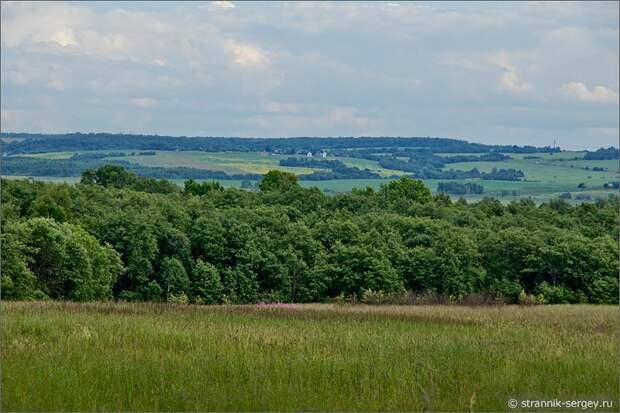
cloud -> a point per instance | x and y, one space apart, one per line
348 120
64 37
485 72
143 102
9 116
510 79
280 107
245 55
217 5
599 94
223 4
348 115
46 75
57 83
44 24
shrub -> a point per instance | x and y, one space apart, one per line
530 299
178 298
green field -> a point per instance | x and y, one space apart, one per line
57 179
566 173
9 140
545 177
229 162
55 155
156 357
548 176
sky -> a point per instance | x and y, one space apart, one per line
498 73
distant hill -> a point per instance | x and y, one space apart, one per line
36 143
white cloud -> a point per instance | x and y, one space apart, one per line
598 94
462 62
214 6
348 115
64 37
319 120
280 107
38 76
143 102
113 46
245 55
223 4
510 79
57 83
28 22
328 68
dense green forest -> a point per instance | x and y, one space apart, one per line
460 189
118 235
602 153
37 143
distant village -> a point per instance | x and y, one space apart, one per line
322 154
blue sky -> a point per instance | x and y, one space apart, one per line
524 73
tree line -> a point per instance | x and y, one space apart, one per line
115 235
39 143
460 189
602 154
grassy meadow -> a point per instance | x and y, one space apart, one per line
155 357
546 176
229 162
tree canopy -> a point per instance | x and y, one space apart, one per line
117 236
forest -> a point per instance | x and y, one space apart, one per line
36 143
603 153
116 235
460 189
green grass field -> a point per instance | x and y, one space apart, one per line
9 140
545 177
229 162
55 155
568 173
318 357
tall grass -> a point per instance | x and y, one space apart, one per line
149 357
